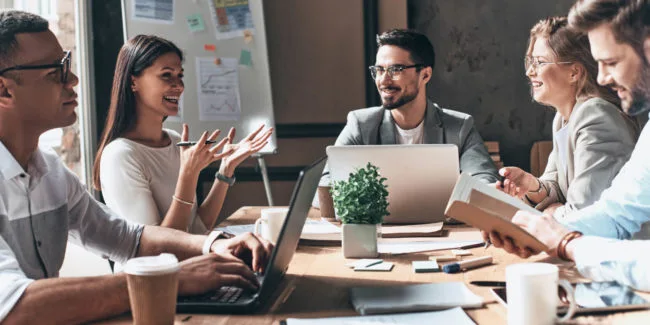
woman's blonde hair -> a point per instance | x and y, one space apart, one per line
569 45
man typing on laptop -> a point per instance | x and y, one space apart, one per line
42 203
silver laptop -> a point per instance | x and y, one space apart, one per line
420 178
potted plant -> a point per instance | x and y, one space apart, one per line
360 203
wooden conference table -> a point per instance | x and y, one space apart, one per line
317 282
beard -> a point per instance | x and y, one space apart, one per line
400 101
640 93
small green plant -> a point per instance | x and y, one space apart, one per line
362 198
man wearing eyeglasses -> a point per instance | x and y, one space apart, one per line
42 203
403 67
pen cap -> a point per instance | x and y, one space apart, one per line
451 268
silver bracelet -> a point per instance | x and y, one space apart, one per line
182 201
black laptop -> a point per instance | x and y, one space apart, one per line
231 300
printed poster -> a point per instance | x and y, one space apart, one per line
231 18
218 88
153 11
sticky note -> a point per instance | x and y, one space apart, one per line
381 267
246 58
425 266
210 47
461 252
248 36
364 262
195 23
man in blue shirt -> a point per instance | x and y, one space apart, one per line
619 33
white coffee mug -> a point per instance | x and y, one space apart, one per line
270 223
532 293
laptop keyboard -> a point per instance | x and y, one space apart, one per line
222 295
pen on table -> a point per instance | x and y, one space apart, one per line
488 283
467 264
191 143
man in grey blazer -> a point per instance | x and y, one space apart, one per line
402 69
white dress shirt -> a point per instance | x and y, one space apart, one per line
606 259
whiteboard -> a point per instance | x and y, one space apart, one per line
210 98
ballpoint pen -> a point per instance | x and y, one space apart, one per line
191 143
488 243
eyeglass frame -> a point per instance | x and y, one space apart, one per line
536 64
392 69
64 65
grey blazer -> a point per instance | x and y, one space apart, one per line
375 125
601 140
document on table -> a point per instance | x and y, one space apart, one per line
413 298
313 229
454 316
423 246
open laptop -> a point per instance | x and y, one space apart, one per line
420 177
232 300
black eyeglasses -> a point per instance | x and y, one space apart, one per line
64 65
394 71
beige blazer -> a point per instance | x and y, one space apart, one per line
601 140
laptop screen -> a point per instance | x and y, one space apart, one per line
289 236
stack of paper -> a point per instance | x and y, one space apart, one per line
409 298
418 230
454 316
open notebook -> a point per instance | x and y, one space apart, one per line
485 207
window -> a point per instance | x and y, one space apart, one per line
68 142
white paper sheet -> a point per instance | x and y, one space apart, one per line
153 11
218 89
424 246
454 316
312 227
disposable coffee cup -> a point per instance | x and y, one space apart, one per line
153 288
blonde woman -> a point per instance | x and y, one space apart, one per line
592 137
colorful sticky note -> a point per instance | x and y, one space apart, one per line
210 47
246 58
195 23
248 36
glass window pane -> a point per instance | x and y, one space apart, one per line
66 142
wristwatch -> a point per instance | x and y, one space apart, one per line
212 237
228 180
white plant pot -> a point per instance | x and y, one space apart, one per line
359 240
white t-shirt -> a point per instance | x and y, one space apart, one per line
412 136
138 181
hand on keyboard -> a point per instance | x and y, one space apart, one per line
210 272
248 247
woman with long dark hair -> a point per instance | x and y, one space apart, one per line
141 172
